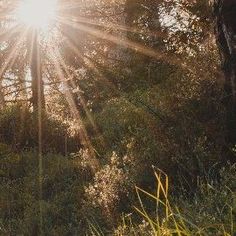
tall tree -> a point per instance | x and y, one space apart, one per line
224 13
36 73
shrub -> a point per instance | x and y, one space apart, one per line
63 191
210 212
19 128
108 190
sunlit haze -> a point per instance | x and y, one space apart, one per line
37 13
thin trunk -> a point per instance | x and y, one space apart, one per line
38 102
22 87
36 74
225 16
2 98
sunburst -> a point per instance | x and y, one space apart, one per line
37 14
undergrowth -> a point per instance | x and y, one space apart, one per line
170 219
73 199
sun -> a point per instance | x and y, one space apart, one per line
37 13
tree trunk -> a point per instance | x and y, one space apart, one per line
38 99
2 99
225 16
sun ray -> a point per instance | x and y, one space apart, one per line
71 79
60 70
87 61
8 33
126 43
108 84
27 16
10 60
113 26
88 113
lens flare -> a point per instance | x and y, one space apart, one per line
37 13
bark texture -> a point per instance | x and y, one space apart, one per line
38 99
225 16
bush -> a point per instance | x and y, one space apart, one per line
210 212
70 208
62 196
107 194
19 128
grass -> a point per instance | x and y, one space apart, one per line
167 218
210 211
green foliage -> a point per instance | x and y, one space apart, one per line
70 208
172 125
146 92
109 190
210 212
63 188
19 128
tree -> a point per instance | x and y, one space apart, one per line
38 99
224 13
